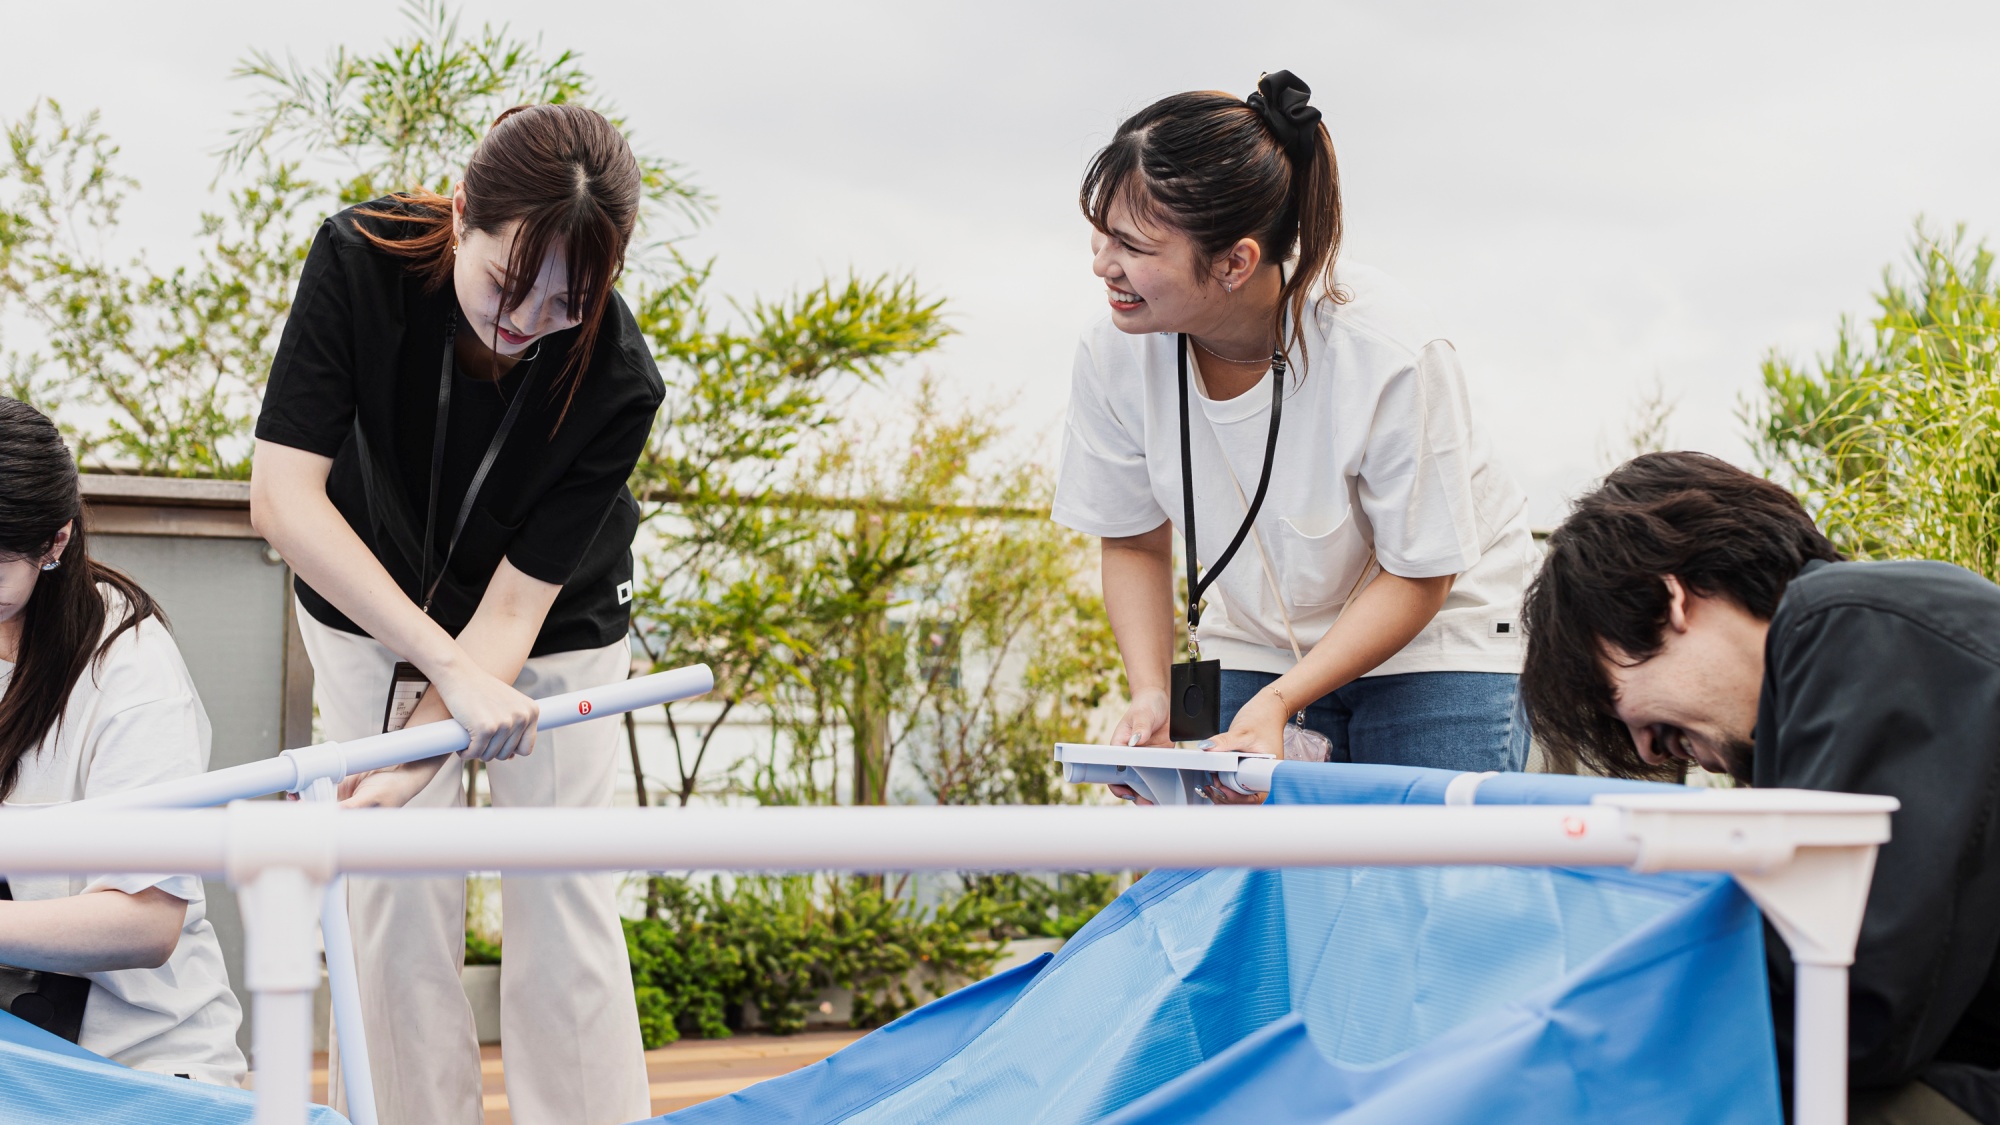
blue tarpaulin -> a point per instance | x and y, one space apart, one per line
1353 995
47 1080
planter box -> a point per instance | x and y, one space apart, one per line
482 991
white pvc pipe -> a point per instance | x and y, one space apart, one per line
357 1077
445 841
295 770
416 841
344 990
281 973
217 787
1819 1045
281 1037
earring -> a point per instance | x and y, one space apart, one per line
1229 287
51 564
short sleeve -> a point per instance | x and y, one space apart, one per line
1416 473
553 539
309 397
1102 487
160 735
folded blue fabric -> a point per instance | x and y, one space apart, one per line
876 1065
1353 995
47 1080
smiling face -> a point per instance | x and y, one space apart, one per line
1154 278
479 274
1695 699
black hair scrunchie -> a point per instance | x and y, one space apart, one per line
1280 100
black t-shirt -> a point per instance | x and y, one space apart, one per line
356 379
1885 678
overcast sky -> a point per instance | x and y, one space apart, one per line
1591 196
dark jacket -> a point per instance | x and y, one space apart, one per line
1885 678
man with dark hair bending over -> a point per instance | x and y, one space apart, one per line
1689 612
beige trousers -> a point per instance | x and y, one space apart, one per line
569 1026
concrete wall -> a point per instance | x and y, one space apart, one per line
226 600
227 596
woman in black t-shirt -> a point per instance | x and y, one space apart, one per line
452 413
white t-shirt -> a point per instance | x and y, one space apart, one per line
1377 449
134 719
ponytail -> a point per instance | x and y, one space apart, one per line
1220 169
1316 203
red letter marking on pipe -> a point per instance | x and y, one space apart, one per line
583 708
1573 826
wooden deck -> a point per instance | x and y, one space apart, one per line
690 1071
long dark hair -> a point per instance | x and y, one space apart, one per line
62 626
570 178
1719 530
1210 165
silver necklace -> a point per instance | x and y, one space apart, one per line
1224 358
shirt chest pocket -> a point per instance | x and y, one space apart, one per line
1318 555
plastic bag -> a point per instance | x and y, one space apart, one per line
1303 744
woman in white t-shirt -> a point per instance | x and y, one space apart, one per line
94 698
1376 589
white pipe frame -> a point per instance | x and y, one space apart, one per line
1816 903
1805 857
294 771
314 772
343 981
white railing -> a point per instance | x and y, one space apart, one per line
313 772
1805 857
294 771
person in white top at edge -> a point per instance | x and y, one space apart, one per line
1378 591
94 698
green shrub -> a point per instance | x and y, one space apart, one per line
679 957
1023 906
771 944
1893 439
480 949
656 1017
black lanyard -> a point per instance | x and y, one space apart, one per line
425 582
1197 586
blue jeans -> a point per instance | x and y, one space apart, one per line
1449 720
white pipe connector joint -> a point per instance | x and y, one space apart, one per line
326 761
1464 789
1805 857
279 854
280 915
291 835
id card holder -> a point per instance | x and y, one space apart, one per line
1194 700
406 690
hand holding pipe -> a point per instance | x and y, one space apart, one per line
295 770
